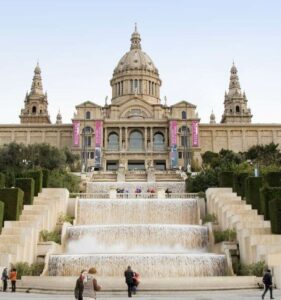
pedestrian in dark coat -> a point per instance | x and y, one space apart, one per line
129 278
267 281
79 287
4 279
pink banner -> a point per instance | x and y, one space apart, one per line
195 134
76 133
173 133
98 133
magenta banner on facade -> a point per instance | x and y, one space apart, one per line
98 133
195 135
76 133
173 133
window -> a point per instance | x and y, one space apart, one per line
183 115
87 141
180 155
87 130
132 86
136 141
158 141
113 143
92 155
136 86
88 115
237 109
34 109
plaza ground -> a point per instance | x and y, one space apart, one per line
200 295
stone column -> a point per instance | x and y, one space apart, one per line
151 138
145 139
166 137
126 138
105 138
120 138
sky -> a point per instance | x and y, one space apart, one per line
193 43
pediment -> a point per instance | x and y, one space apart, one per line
87 104
183 103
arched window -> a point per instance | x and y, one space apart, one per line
88 115
34 109
237 109
158 141
183 115
136 87
136 141
113 143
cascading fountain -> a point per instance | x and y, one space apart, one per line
159 238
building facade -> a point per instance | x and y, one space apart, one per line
136 130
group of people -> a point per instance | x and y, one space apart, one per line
12 276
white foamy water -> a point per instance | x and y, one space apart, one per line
151 238
137 211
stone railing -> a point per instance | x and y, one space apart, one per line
136 195
89 195
181 195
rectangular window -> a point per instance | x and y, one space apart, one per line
180 155
92 155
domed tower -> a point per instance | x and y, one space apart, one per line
135 75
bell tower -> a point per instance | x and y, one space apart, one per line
36 102
235 102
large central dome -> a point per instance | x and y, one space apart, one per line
135 74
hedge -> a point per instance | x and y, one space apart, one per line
27 186
46 176
2 206
37 175
239 183
253 186
2 180
268 194
275 215
13 201
226 179
273 179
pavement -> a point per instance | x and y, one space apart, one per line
204 295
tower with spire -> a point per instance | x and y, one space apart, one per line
36 102
235 102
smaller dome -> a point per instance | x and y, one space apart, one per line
212 118
37 69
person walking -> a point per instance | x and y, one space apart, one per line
129 278
13 278
4 279
90 285
79 287
267 280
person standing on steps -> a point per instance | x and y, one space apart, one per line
13 278
129 278
267 281
4 279
90 285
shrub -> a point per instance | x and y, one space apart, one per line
37 175
239 183
253 185
24 269
255 269
2 180
50 236
65 218
228 235
202 181
226 179
63 179
273 179
275 215
13 201
27 186
46 174
268 194
2 206
209 218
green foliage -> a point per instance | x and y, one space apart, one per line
2 180
24 269
13 200
210 158
239 183
27 186
226 179
264 154
253 185
273 179
255 269
209 218
228 235
37 175
202 195
268 194
46 175
2 207
62 179
65 218
50 236
275 215
202 181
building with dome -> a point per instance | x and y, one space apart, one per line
136 129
